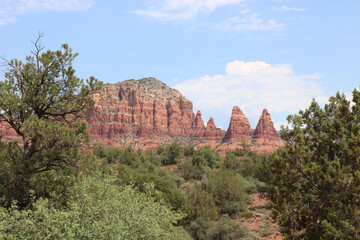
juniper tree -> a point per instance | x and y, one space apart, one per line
44 103
316 184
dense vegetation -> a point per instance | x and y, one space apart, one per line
50 189
316 184
200 186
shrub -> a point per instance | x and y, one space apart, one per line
200 204
199 228
164 190
226 229
172 153
229 193
97 210
247 215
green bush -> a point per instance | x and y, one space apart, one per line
200 204
98 210
188 170
199 228
164 190
206 156
247 215
228 191
226 229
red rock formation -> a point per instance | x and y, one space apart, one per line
212 132
146 113
198 126
198 122
239 125
7 132
265 127
145 107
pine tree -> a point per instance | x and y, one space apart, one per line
43 101
316 184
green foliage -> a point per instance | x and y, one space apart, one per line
206 156
200 204
255 170
189 151
130 157
43 101
231 161
316 185
223 229
199 228
164 189
247 215
226 229
108 154
257 167
228 192
172 153
245 150
200 163
97 210
189 171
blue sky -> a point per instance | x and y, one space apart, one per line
274 54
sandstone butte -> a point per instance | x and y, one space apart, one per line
147 113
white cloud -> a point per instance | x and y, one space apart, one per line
253 86
183 9
177 10
11 8
53 5
6 20
250 22
290 9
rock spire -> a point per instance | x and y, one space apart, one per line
239 125
265 127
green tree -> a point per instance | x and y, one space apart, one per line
172 153
316 183
43 101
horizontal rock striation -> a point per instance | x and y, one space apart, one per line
146 106
146 113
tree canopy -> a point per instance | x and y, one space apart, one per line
316 182
43 101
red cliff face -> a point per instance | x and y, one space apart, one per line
146 113
265 127
145 107
239 125
212 132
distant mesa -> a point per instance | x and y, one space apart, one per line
146 113
134 111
